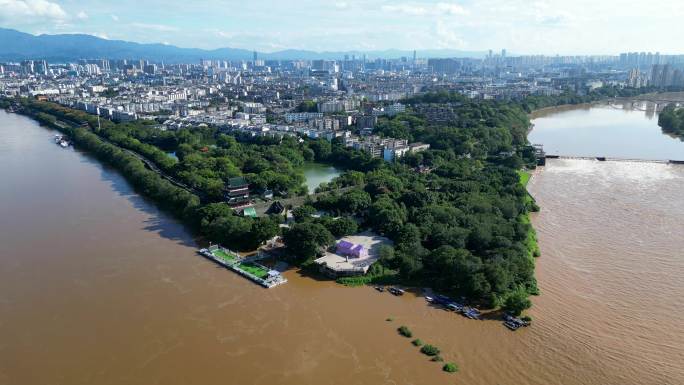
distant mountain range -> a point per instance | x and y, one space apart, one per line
15 45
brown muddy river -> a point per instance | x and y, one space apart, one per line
99 287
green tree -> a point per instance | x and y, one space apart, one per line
303 213
306 240
517 302
342 226
263 229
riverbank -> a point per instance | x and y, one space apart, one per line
671 121
149 183
546 111
657 97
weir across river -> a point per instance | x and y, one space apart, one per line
542 156
612 159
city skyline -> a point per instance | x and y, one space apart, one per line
541 27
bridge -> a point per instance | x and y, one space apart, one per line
642 105
657 97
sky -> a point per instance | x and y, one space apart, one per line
520 26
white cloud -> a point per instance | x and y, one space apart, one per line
408 9
451 9
155 27
82 15
447 36
36 10
115 18
439 9
341 5
220 33
100 35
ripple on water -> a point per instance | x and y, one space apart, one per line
610 271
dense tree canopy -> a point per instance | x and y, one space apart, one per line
671 120
306 240
461 227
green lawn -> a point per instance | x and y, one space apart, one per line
225 256
255 270
524 177
531 239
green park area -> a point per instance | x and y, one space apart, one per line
230 258
255 270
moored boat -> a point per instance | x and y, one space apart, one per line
396 291
512 325
471 313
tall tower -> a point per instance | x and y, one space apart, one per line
254 57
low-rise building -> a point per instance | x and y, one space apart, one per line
353 255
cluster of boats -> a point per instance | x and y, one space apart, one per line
511 322
393 290
514 323
62 141
449 304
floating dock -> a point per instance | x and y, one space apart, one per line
246 267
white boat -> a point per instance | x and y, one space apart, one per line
64 143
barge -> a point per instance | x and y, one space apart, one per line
249 269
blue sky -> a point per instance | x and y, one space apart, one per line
520 26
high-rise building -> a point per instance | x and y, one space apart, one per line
27 67
254 56
41 67
150 69
664 75
444 66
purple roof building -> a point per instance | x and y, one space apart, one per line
349 249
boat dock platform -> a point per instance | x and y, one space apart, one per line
250 269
